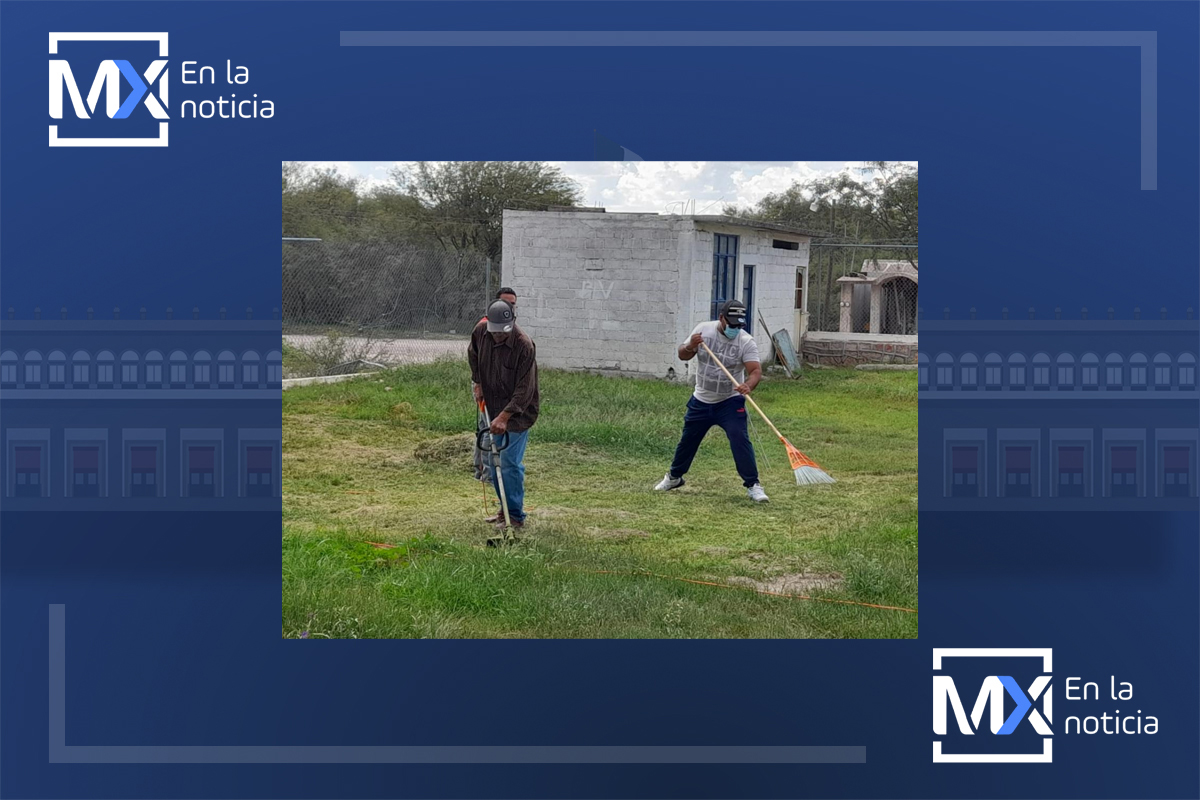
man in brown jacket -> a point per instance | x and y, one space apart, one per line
479 457
504 374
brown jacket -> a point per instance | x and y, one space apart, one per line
508 374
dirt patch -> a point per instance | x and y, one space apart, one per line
616 534
795 583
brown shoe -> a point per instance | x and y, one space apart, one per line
515 523
494 518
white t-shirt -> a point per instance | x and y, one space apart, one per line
712 384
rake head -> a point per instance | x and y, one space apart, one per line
805 469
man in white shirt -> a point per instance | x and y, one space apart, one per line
717 400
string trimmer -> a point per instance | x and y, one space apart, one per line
487 443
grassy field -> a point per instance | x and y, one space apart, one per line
388 460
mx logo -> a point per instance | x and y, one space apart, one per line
108 82
993 689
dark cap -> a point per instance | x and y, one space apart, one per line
734 312
500 317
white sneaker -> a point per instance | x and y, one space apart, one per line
668 483
757 494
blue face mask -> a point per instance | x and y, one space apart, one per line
731 333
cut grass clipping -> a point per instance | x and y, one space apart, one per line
383 533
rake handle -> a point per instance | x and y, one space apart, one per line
735 381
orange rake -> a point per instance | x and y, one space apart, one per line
805 469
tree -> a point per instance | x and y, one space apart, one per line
462 202
319 203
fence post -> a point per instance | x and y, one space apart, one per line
487 284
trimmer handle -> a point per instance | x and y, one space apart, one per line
484 439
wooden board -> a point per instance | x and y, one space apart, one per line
774 349
785 350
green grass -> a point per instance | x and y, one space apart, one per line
388 460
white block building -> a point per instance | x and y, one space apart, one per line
620 292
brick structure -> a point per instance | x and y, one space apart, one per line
619 292
851 349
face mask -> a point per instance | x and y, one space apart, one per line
731 333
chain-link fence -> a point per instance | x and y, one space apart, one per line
890 271
350 304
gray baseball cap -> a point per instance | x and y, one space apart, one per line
500 317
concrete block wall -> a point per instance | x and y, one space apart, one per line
596 291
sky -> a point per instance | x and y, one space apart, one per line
655 186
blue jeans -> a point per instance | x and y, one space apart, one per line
730 415
512 467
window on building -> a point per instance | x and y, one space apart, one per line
799 290
965 481
969 371
201 471
85 471
33 373
1176 472
1016 377
992 371
944 370
725 252
1124 471
58 368
154 369
203 374
1114 372
178 368
8 367
780 244
250 371
275 373
28 480
1187 371
748 295
1137 371
1162 371
143 478
1041 371
1070 471
922 371
129 373
969 376
1065 374
259 471
1018 471
1090 371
